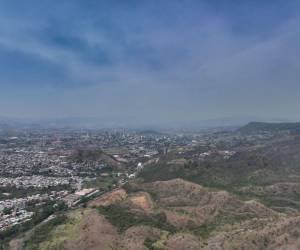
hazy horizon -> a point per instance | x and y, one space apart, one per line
135 124
150 62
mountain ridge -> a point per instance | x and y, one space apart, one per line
253 127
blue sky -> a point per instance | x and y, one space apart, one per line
149 61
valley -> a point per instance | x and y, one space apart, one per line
224 190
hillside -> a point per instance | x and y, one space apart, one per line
93 155
255 127
173 214
257 167
200 197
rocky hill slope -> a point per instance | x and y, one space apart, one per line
173 214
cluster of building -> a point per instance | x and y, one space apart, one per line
14 211
75 198
226 154
15 218
42 161
36 181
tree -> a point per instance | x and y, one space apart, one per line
7 210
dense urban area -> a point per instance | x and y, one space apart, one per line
63 165
44 173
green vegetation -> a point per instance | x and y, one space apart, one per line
262 167
92 155
54 233
42 232
149 243
279 202
7 211
104 183
124 219
160 243
156 243
40 214
253 127
130 188
204 230
82 155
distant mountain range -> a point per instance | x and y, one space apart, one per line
134 123
254 127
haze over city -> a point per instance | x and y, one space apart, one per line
149 62
149 124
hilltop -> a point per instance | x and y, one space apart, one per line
255 127
219 190
273 165
173 214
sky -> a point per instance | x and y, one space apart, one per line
155 61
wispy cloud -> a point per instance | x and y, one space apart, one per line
172 61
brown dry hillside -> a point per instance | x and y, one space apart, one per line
173 214
187 204
281 234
